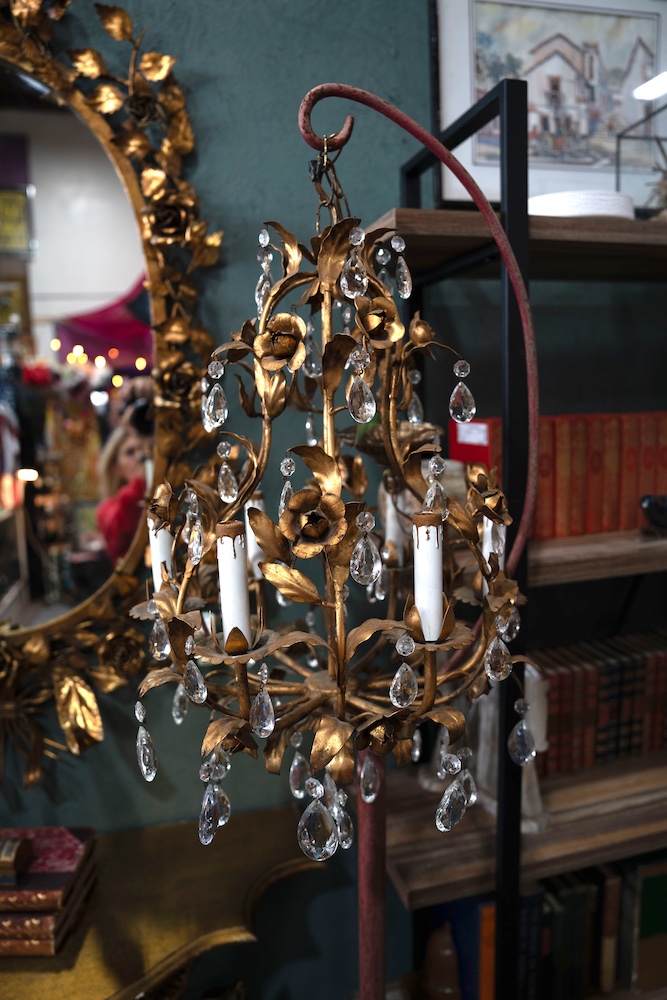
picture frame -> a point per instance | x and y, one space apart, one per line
16 222
568 150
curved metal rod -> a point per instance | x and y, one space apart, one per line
337 141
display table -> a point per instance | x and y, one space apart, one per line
161 899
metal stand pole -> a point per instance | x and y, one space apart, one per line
371 862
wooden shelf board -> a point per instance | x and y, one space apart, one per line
587 248
603 814
594 557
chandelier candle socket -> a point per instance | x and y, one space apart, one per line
233 576
428 572
160 543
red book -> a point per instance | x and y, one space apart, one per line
611 463
578 456
478 441
646 475
544 511
551 674
59 855
661 453
594 474
566 718
578 708
35 926
590 671
562 476
53 927
628 501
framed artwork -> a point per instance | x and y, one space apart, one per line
581 62
15 222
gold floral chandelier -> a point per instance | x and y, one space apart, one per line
327 341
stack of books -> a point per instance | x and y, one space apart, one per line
606 699
594 468
41 900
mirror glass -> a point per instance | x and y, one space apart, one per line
75 359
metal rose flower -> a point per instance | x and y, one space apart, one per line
167 219
141 109
178 379
378 319
420 332
282 343
123 651
313 521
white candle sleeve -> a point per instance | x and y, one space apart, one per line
233 575
536 688
428 581
394 532
160 547
493 533
255 554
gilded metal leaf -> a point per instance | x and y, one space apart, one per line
459 637
341 767
340 554
363 632
276 395
453 720
88 63
115 21
333 251
181 134
106 678
275 748
462 520
412 619
403 752
156 678
324 468
292 251
78 711
153 183
269 536
106 99
218 730
37 650
334 360
156 66
236 642
354 475
330 736
291 583
133 143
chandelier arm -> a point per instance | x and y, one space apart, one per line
410 126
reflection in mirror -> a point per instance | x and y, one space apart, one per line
76 353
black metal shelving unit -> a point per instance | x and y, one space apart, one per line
507 102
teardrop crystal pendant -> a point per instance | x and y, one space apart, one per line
228 487
462 406
262 289
385 279
299 773
195 542
262 716
311 433
369 780
403 279
146 756
209 816
179 705
224 806
345 830
285 497
312 366
451 808
415 410
316 833
469 787
417 743
521 744
498 660
194 683
435 497
158 641
365 564
216 408
509 630
361 401
354 277
404 687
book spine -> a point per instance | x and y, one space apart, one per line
628 495
590 713
552 754
578 709
21 946
626 695
604 710
566 719
611 445
646 475
16 925
613 726
544 511
487 951
661 453
660 708
651 694
594 474
562 476
21 899
578 447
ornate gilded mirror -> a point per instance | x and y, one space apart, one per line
130 102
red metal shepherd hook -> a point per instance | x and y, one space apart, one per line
371 818
413 128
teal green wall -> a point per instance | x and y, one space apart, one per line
245 66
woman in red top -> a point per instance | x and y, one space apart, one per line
123 486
